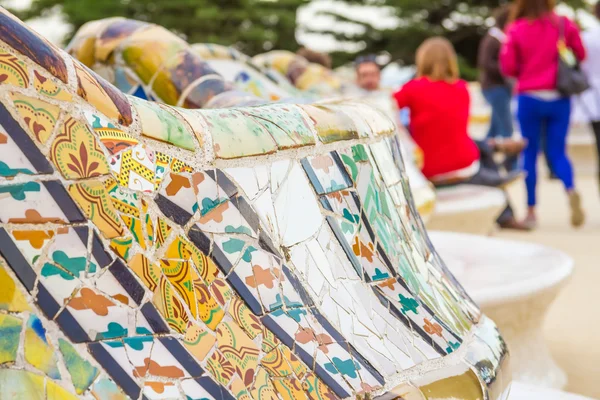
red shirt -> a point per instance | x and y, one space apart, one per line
439 119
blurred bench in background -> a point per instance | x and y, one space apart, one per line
514 283
468 209
522 391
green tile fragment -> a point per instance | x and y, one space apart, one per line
10 331
82 372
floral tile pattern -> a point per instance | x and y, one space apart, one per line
39 116
15 70
46 86
150 252
76 153
93 198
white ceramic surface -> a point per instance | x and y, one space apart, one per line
497 271
463 198
522 391
514 283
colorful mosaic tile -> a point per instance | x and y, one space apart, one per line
39 116
239 350
47 87
94 200
154 274
11 298
36 203
157 123
331 124
76 153
327 173
10 332
287 125
14 70
142 55
107 99
38 351
16 35
231 132
13 161
136 168
198 341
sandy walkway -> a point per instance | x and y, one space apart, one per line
573 324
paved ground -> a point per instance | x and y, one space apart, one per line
573 324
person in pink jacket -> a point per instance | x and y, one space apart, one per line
530 54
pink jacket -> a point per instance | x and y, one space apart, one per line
530 51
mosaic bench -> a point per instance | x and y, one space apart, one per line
469 209
245 74
218 83
514 283
270 252
304 75
460 209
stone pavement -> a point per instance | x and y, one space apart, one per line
573 324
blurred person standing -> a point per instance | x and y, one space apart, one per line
496 89
368 73
588 104
531 55
439 105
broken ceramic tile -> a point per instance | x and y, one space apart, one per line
296 209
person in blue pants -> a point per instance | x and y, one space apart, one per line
536 117
495 88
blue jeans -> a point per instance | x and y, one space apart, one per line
501 124
540 118
498 98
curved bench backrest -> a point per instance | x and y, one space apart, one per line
252 252
150 62
305 75
248 77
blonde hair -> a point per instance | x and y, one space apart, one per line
436 60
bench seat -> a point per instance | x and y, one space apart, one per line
514 283
468 209
522 391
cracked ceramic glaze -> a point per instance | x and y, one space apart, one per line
270 252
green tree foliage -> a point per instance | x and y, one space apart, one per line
463 22
253 26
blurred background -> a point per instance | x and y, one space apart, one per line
342 28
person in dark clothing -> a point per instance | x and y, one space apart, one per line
588 103
496 90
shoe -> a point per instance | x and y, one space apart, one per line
530 222
509 147
577 214
515 225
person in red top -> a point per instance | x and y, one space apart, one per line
439 105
